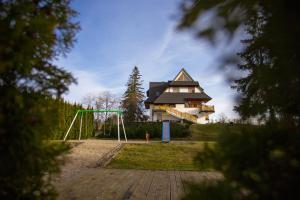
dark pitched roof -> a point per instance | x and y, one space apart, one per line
155 93
155 90
180 97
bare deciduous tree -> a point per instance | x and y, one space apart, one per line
105 101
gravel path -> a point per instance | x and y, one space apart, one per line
84 155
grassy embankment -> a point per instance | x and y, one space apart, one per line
177 155
159 156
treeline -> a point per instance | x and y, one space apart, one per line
64 113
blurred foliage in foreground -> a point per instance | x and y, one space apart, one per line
209 190
262 160
33 34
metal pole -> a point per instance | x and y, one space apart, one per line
80 126
71 125
86 125
123 127
119 128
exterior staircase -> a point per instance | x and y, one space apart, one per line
178 114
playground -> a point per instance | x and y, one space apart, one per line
123 168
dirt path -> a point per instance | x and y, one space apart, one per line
84 155
82 178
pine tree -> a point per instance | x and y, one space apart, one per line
132 102
271 58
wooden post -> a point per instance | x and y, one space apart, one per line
80 126
71 126
123 128
119 128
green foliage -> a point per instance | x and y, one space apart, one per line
211 132
209 190
133 98
206 132
137 130
33 34
263 159
28 157
271 87
65 113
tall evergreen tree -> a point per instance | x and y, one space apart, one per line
33 34
132 102
271 58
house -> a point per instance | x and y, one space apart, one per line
179 99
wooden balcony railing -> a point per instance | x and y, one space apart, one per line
202 108
176 113
206 108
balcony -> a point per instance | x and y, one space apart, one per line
206 108
177 113
201 108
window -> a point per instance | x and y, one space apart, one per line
175 89
191 104
191 90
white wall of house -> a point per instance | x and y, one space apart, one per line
183 89
202 118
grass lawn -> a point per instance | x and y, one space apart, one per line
206 132
159 156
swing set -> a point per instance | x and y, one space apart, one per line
81 112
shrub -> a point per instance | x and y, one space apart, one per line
262 159
137 130
209 190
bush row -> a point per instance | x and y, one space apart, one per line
137 130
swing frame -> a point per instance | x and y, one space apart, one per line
119 117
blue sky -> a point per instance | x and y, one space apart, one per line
118 35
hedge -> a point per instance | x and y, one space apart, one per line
137 130
64 113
